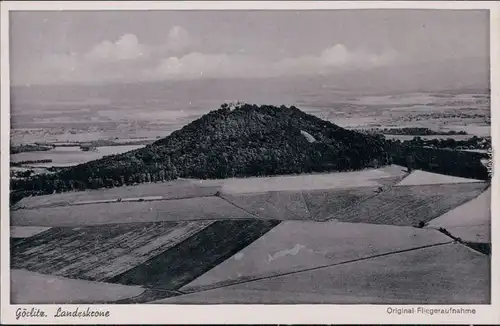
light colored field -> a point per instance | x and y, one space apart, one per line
237 295
444 274
26 231
419 177
409 205
482 151
470 221
34 288
427 137
474 212
167 190
201 208
472 233
100 253
68 156
296 245
367 178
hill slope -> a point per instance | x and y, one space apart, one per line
246 140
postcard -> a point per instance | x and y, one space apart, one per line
199 162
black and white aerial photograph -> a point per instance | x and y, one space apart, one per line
250 157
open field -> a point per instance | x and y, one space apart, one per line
427 137
446 274
418 177
474 212
280 205
470 222
479 234
20 232
34 288
297 245
316 205
227 254
99 253
363 178
326 204
409 205
399 205
200 208
166 190
188 188
181 264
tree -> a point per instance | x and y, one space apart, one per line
161 175
489 162
410 162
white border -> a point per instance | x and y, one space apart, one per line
249 314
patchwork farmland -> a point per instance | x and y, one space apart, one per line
320 238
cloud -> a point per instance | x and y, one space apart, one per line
333 59
127 59
336 58
178 39
197 65
127 47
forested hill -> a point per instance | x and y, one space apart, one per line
238 141
250 140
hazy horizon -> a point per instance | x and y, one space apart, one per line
358 50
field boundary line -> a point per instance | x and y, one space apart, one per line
306 204
391 188
462 242
236 282
110 201
458 226
148 295
241 208
407 174
485 182
174 245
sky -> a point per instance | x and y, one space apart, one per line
69 47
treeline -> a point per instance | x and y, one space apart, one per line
108 142
449 162
20 163
415 131
15 149
21 174
450 143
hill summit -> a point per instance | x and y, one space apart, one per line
233 141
